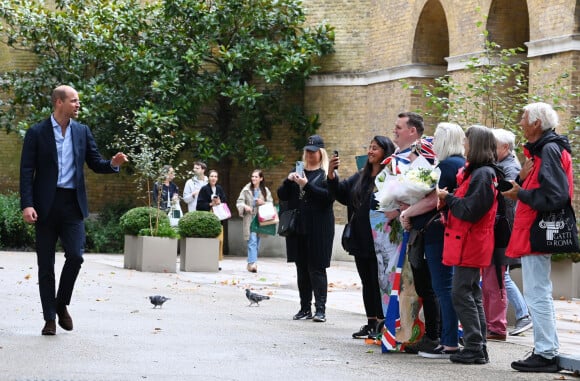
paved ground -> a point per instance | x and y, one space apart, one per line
208 332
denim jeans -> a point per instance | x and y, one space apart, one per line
515 297
441 280
538 294
253 247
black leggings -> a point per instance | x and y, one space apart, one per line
423 287
368 271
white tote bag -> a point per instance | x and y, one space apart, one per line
222 211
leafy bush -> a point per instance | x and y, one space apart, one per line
164 230
142 217
199 224
104 233
14 232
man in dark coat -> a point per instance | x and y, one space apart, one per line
53 197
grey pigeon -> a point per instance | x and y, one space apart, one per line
255 298
158 300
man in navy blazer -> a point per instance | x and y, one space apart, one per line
53 197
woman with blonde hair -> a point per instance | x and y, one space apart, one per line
311 247
448 146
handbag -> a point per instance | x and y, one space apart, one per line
555 231
502 228
222 211
416 243
267 214
288 224
346 239
256 227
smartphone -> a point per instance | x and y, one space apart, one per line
504 186
335 154
300 168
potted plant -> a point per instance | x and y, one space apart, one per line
143 250
199 246
149 149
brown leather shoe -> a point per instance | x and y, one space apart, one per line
64 319
49 328
496 336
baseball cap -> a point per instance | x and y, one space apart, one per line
314 143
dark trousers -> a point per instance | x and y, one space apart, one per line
65 221
423 287
466 294
368 271
311 281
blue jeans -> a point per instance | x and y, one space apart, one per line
441 281
515 297
538 294
253 247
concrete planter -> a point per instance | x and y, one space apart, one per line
199 254
130 252
565 279
156 254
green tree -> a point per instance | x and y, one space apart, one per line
224 70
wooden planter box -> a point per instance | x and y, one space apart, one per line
199 254
156 254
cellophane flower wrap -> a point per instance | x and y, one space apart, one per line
407 187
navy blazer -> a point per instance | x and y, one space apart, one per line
39 166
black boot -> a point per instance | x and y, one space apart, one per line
320 304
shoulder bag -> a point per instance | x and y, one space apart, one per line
346 240
416 244
555 231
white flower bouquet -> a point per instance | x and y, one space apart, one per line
408 187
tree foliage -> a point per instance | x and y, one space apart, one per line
222 69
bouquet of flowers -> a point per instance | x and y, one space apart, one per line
408 187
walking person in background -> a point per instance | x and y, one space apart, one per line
311 247
469 238
166 192
53 198
193 185
448 146
357 193
210 195
547 185
254 194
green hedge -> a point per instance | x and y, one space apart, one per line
15 234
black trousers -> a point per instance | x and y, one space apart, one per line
423 287
368 271
65 221
467 301
311 281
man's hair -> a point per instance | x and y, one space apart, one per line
505 137
201 164
544 113
448 140
482 146
415 120
59 93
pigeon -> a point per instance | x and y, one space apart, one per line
255 298
158 300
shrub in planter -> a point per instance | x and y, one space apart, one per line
142 217
14 232
199 224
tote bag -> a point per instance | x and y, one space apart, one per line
222 211
267 214
555 231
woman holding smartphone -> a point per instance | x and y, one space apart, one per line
311 247
210 195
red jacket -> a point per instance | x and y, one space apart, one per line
548 186
469 237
